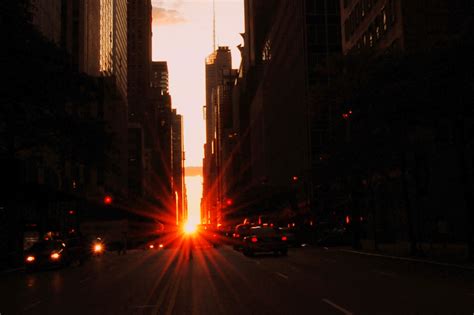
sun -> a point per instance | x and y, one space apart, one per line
190 228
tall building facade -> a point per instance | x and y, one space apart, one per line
285 43
163 159
178 167
217 64
401 24
138 82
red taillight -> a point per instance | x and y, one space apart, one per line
236 235
284 238
214 235
254 240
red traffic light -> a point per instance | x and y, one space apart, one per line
72 212
229 202
107 200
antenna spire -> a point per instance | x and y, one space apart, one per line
214 25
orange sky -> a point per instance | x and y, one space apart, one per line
182 36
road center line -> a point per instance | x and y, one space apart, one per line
337 307
282 275
32 305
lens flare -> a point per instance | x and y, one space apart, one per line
190 228
98 248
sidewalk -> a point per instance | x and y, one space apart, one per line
451 254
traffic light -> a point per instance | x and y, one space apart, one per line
229 202
107 200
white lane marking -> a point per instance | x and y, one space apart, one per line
329 260
383 273
257 262
326 248
294 268
32 305
337 307
282 275
409 259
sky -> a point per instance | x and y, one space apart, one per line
183 36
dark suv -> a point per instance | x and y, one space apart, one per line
241 231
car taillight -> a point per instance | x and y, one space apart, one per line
254 240
284 238
151 246
214 235
30 258
55 256
236 235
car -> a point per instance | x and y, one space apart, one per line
241 231
290 234
208 234
155 244
54 253
265 239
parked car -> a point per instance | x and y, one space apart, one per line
290 234
54 253
265 239
240 232
154 244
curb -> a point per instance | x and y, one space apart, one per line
409 259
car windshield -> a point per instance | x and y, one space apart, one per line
264 231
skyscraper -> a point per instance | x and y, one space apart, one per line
217 64
138 83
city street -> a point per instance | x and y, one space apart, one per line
223 281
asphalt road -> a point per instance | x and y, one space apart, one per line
223 281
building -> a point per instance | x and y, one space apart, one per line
178 167
401 24
138 83
160 76
46 16
217 64
285 43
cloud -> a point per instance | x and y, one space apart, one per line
163 16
